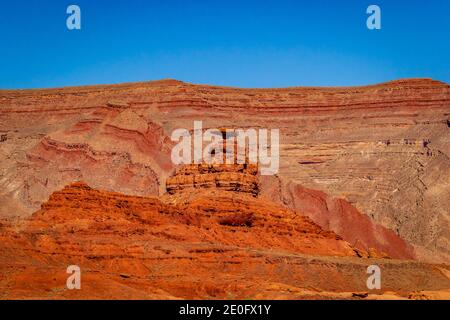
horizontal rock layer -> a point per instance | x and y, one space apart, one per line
238 177
383 148
206 245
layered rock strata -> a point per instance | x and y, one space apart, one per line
240 178
383 148
210 244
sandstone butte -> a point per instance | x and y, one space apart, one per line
364 179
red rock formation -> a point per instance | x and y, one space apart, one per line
240 178
382 148
207 244
341 217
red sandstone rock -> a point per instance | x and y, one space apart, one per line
241 178
207 244
339 216
384 148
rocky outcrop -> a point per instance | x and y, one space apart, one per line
217 174
339 216
240 178
267 224
382 148
203 244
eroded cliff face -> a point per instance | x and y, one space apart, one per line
202 244
242 178
339 216
174 245
383 148
206 182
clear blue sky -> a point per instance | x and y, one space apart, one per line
238 43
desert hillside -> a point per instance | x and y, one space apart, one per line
380 151
195 243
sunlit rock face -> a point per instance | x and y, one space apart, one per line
383 148
204 244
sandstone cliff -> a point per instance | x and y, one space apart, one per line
382 148
204 244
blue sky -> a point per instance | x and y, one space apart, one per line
242 43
